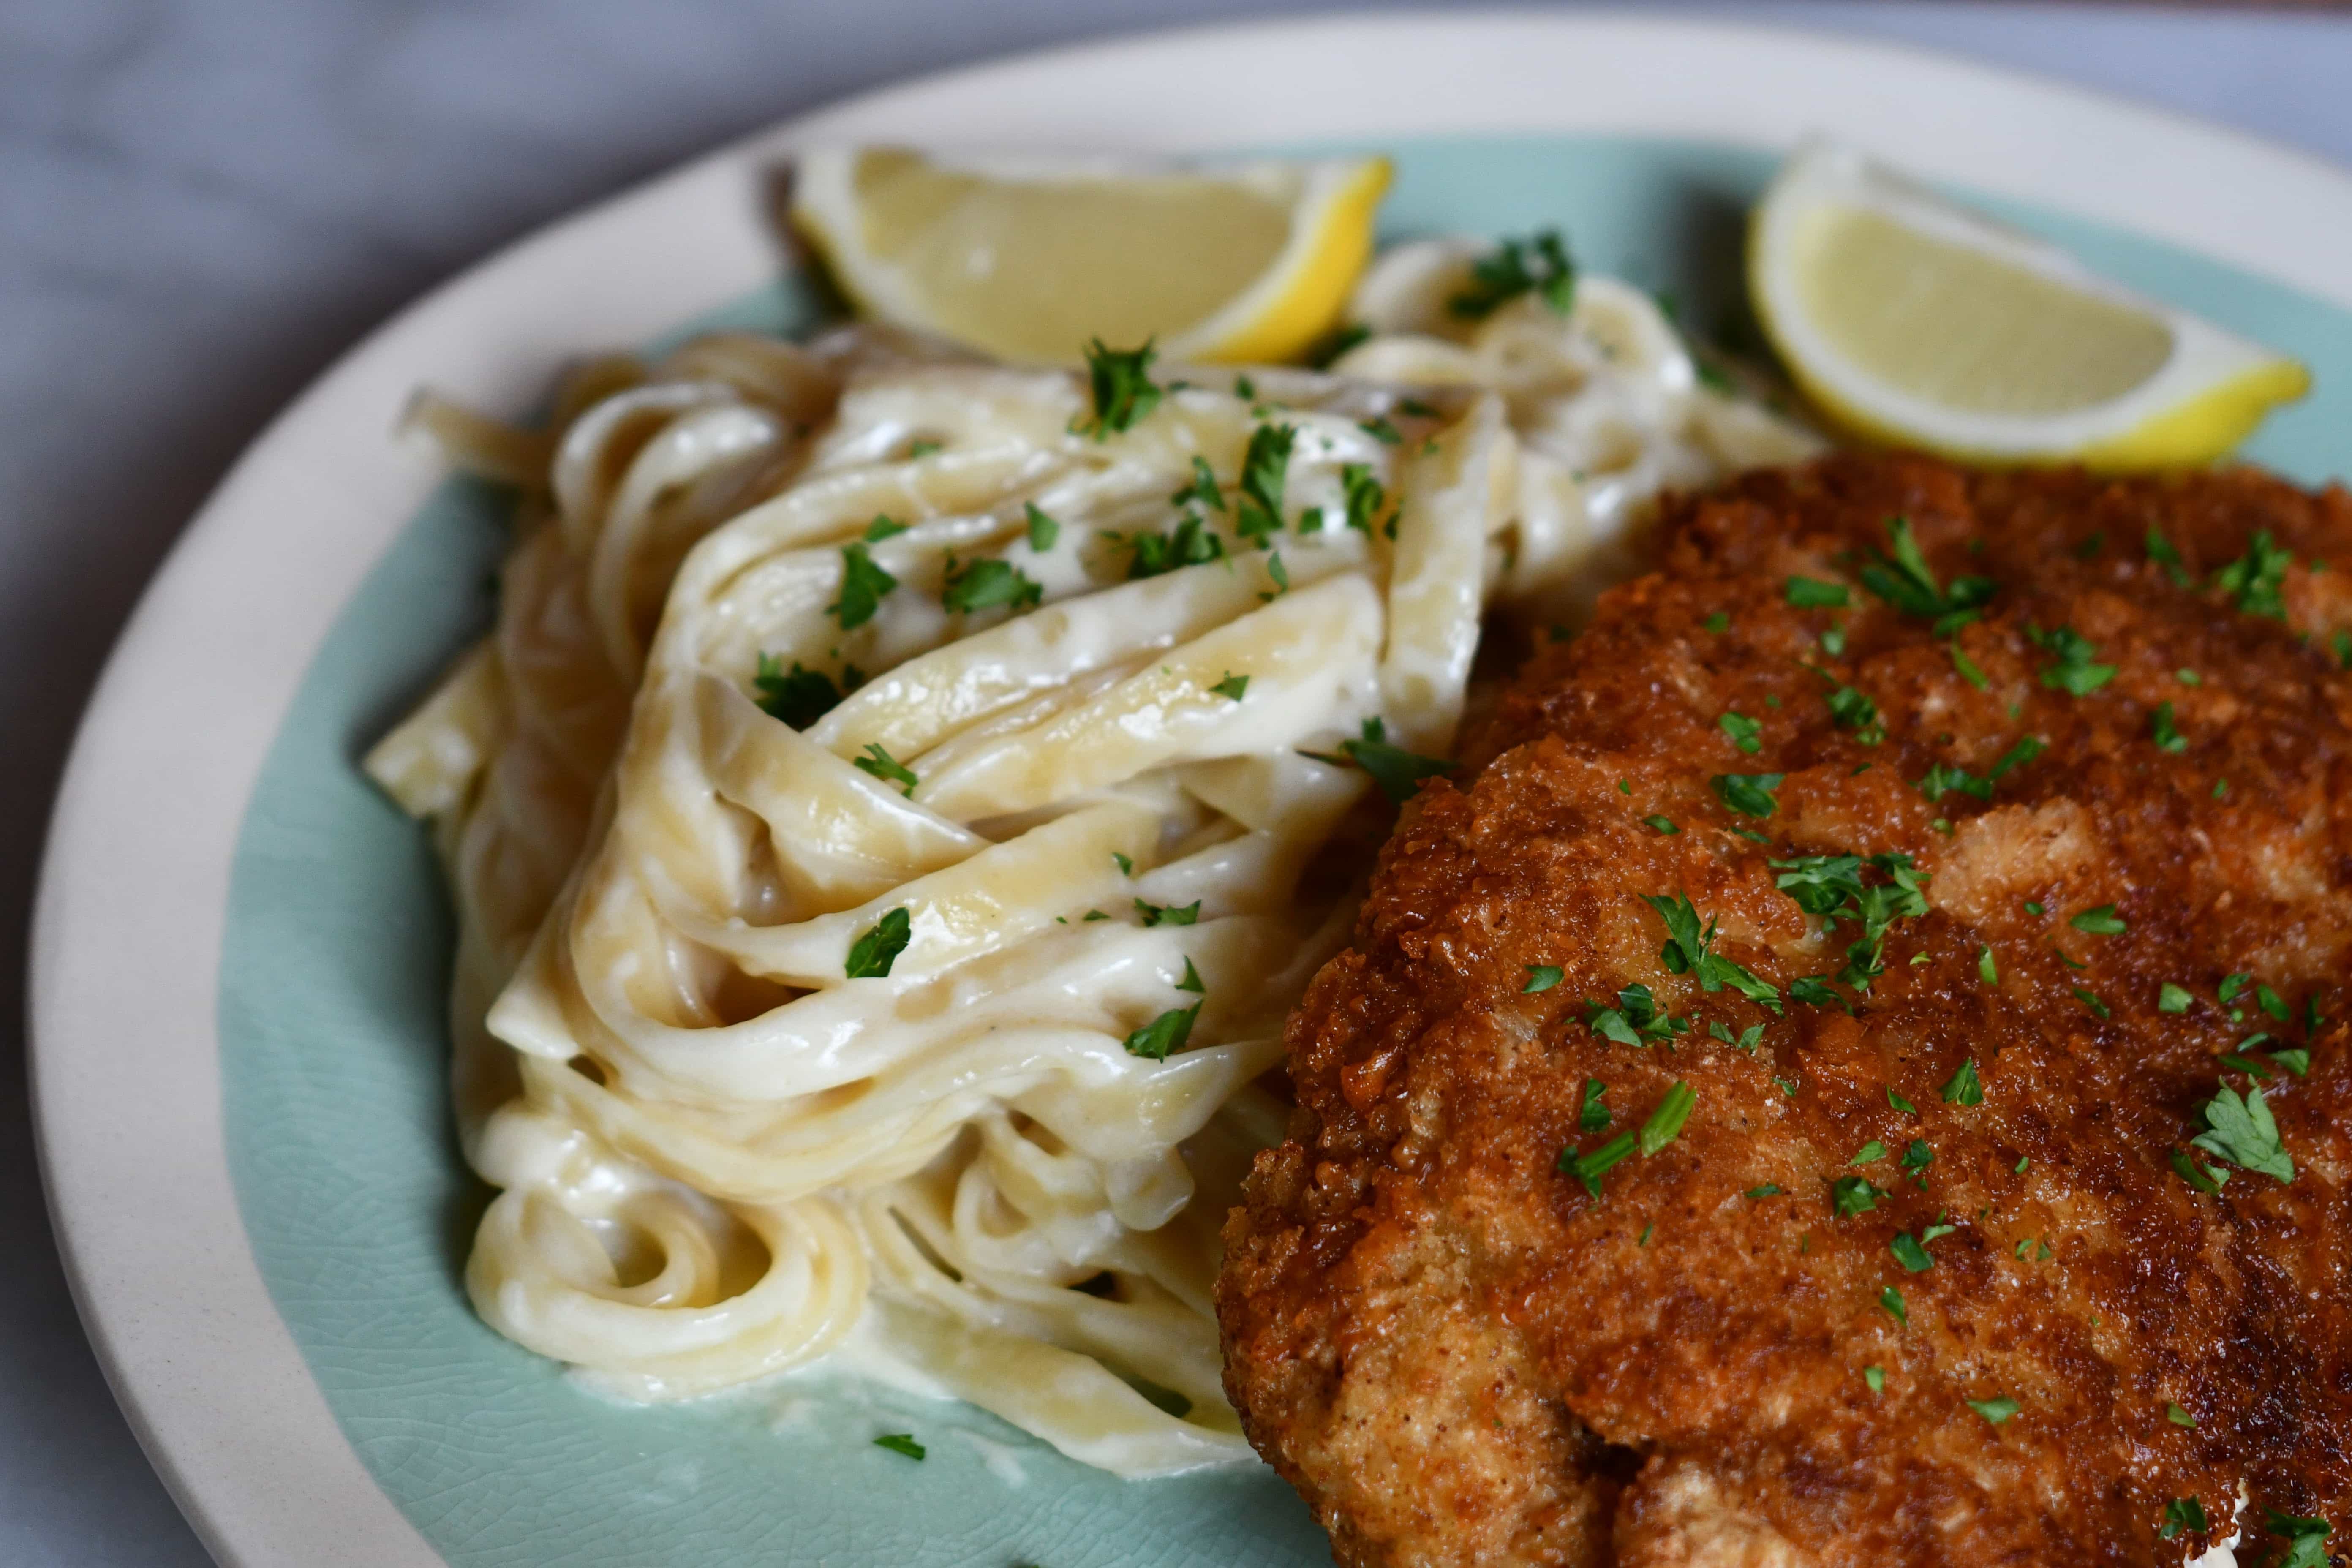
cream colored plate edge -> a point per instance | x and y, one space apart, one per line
128 920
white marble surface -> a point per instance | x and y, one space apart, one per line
202 204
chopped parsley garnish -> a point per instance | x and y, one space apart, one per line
1854 1195
1192 981
1280 576
1193 544
987 584
2179 1417
1232 686
862 586
1257 499
1689 948
1996 1410
1125 863
884 766
1164 1034
801 696
2100 922
1765 1190
900 1443
1900 1103
1831 886
1987 971
2307 1538
1834 642
1396 771
1891 1299
1121 380
2032 907
1717 624
1592 1116
1949 778
2160 551
1747 793
2232 986
2296 1060
1876 1376
2252 581
2032 1250
882 527
873 953
923 449
1537 266
1814 990
1168 914
2242 1131
2075 671
2271 1002
1904 581
2182 1513
1044 532
1855 711
1664 824
2187 678
2197 1175
1365 495
1812 593
2341 642
1917 1157
1665 1122
1540 978
1634 1020
2166 733
2090 999
1744 732
1380 429
1909 1253
1966 666
2221 788
1964 1087
1868 1153
1747 1040
1590 1165
1335 342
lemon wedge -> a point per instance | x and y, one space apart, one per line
1027 260
1913 320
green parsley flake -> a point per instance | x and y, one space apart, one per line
863 587
1539 265
1909 1253
1380 429
900 1443
1834 642
1665 1122
1717 623
1891 1299
1868 1152
2100 922
1232 686
1900 1103
873 953
986 584
1365 495
1590 1165
1966 666
1397 772
1592 1116
1964 1087
801 696
1853 710
2074 673
2160 551
1691 949
1854 1195
1987 971
1876 1376
1648 1231
923 449
2232 986
885 767
2271 1002
2307 1538
1192 981
1636 1020
1744 732
2196 1175
1917 1157
2252 581
1168 914
1812 593
1164 1034
1540 978
2179 1417
1767 1190
1747 793
1904 581
2165 732
2242 1131
1121 380
1664 824
1336 342
1193 544
1996 1410
1044 532
2090 1000
1257 499
1125 863
1788 1085
2341 642
1280 575
882 527
2182 1513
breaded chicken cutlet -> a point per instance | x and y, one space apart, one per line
1855 1069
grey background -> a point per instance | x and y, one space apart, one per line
200 205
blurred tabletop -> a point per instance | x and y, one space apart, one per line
203 204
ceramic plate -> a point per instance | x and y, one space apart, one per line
241 948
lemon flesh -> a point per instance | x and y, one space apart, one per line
1029 262
1913 320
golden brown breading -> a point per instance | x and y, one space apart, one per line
1459 1355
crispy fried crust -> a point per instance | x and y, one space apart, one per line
1459 1356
